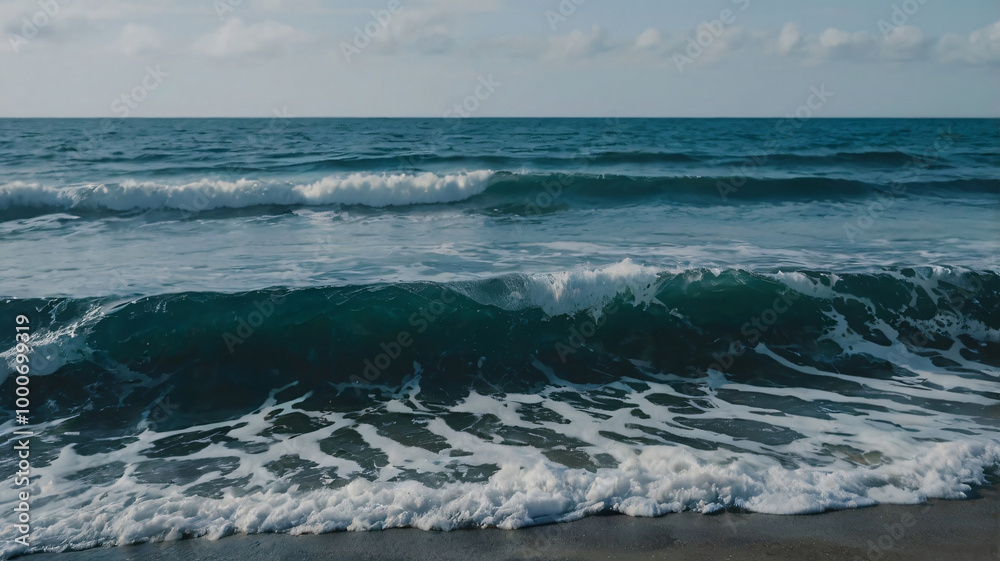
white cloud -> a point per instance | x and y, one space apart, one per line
578 44
979 47
413 31
837 43
652 46
235 38
790 38
128 9
906 43
738 40
425 27
137 40
648 39
903 43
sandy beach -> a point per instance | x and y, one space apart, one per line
938 530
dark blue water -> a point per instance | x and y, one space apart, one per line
324 324
224 205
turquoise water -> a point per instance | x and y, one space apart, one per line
314 325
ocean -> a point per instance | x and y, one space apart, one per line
313 325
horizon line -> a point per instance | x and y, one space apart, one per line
488 118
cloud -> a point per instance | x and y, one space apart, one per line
979 47
651 46
837 43
138 40
737 40
28 21
424 27
423 32
648 40
790 38
128 9
830 44
575 46
906 43
579 45
235 38
704 45
903 43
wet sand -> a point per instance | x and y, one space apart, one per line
939 530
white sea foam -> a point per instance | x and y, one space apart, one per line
942 285
566 292
839 451
851 461
369 189
650 481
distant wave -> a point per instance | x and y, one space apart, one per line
256 161
368 189
869 158
504 191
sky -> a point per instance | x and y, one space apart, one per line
499 58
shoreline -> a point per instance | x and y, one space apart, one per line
965 530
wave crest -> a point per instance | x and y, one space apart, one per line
369 189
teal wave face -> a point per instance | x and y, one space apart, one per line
349 344
636 316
